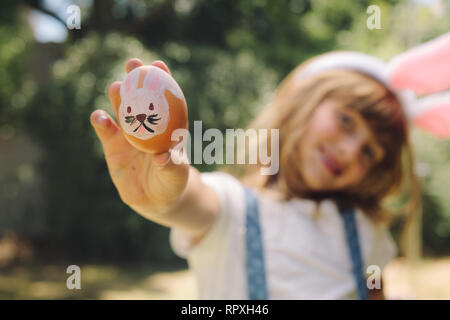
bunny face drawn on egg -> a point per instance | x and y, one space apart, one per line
144 109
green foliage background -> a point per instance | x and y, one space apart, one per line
228 57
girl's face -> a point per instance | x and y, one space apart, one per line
338 148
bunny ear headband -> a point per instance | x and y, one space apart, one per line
421 70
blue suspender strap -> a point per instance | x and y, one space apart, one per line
348 215
256 275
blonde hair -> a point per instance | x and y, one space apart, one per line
291 108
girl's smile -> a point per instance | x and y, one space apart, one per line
330 163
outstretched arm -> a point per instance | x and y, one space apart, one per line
151 184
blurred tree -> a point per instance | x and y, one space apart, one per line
434 154
16 89
13 62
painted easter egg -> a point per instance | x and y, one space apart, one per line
152 106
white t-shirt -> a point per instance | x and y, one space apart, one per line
306 257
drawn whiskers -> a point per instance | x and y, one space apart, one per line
151 119
130 119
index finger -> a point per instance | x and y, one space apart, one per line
114 96
162 65
132 64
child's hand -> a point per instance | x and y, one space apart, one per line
150 184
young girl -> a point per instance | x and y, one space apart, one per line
308 232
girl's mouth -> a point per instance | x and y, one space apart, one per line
330 162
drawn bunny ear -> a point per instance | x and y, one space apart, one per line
155 83
130 83
153 80
432 114
160 81
423 69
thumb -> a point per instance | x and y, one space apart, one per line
174 156
161 159
110 136
103 125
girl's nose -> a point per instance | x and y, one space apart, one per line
141 117
349 148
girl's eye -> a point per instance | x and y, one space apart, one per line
346 120
151 107
129 109
368 152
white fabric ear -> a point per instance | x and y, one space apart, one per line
423 69
357 61
432 114
360 62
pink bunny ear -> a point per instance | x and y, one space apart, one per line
424 69
155 84
154 79
131 82
433 115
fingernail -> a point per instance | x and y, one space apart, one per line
102 120
162 159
